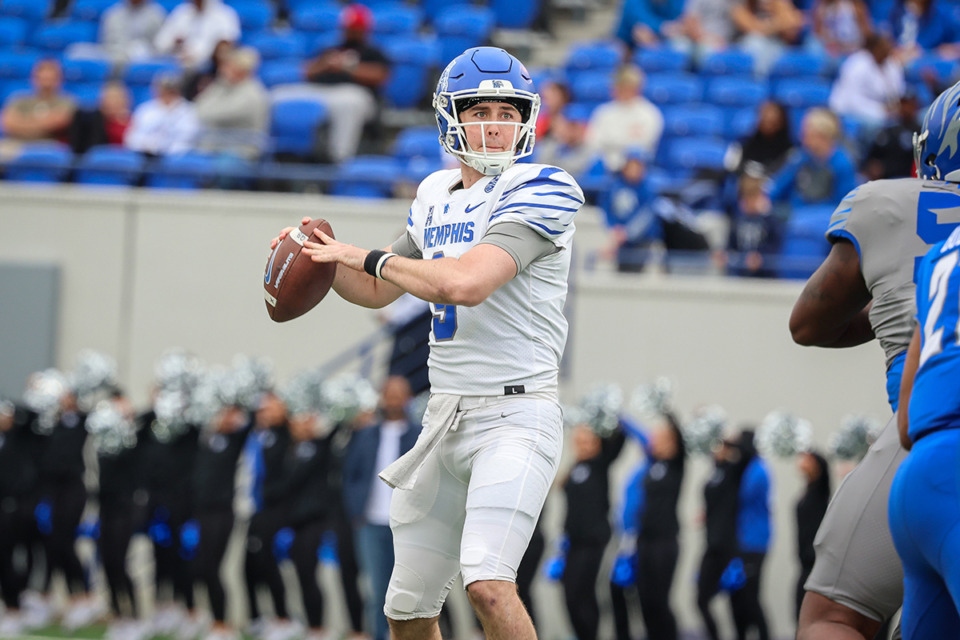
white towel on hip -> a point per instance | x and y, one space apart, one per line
442 416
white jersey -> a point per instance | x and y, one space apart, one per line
512 342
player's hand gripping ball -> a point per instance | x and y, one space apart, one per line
292 285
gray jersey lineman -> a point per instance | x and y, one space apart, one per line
892 224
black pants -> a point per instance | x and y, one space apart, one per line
527 570
67 499
260 565
349 570
172 570
580 588
304 557
657 565
215 529
117 524
712 566
620 601
745 602
17 530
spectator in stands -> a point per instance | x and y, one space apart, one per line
367 499
925 25
641 21
891 153
235 109
820 172
755 234
766 28
107 124
628 214
129 28
349 78
628 121
44 114
194 29
565 145
165 125
768 145
704 27
810 511
555 96
870 84
839 26
754 533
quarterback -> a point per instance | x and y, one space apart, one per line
488 246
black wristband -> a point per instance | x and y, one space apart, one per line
371 261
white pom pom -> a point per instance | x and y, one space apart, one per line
651 400
602 406
783 434
705 430
854 437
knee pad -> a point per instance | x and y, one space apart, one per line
407 598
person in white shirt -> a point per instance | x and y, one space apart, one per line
629 121
235 108
193 30
870 83
166 125
488 245
128 29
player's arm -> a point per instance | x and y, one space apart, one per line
464 281
910 367
833 308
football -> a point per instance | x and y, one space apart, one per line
293 285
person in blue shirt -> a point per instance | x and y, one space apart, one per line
641 20
820 172
925 495
921 26
754 532
632 222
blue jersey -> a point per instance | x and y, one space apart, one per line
935 400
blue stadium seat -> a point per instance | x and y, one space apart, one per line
592 89
320 42
674 88
433 8
141 73
274 45
110 165
17 65
736 92
169 5
41 162
413 61
795 63
322 17
13 32
661 181
367 177
57 36
593 58
255 15
693 120
727 63
802 93
696 153
804 246
417 142
515 14
942 70
275 72
87 94
90 10
187 171
30 10
10 88
739 122
662 59
396 20
86 70
416 169
140 94
294 124
461 27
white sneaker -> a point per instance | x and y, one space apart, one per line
168 620
195 626
284 630
83 614
257 629
318 635
223 634
35 611
11 626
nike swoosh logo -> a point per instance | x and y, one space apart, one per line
468 208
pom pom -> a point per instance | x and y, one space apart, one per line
705 430
783 434
602 406
250 379
347 395
93 377
574 415
651 400
854 437
44 392
303 393
170 406
177 370
111 430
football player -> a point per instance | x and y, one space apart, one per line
488 246
926 491
864 290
